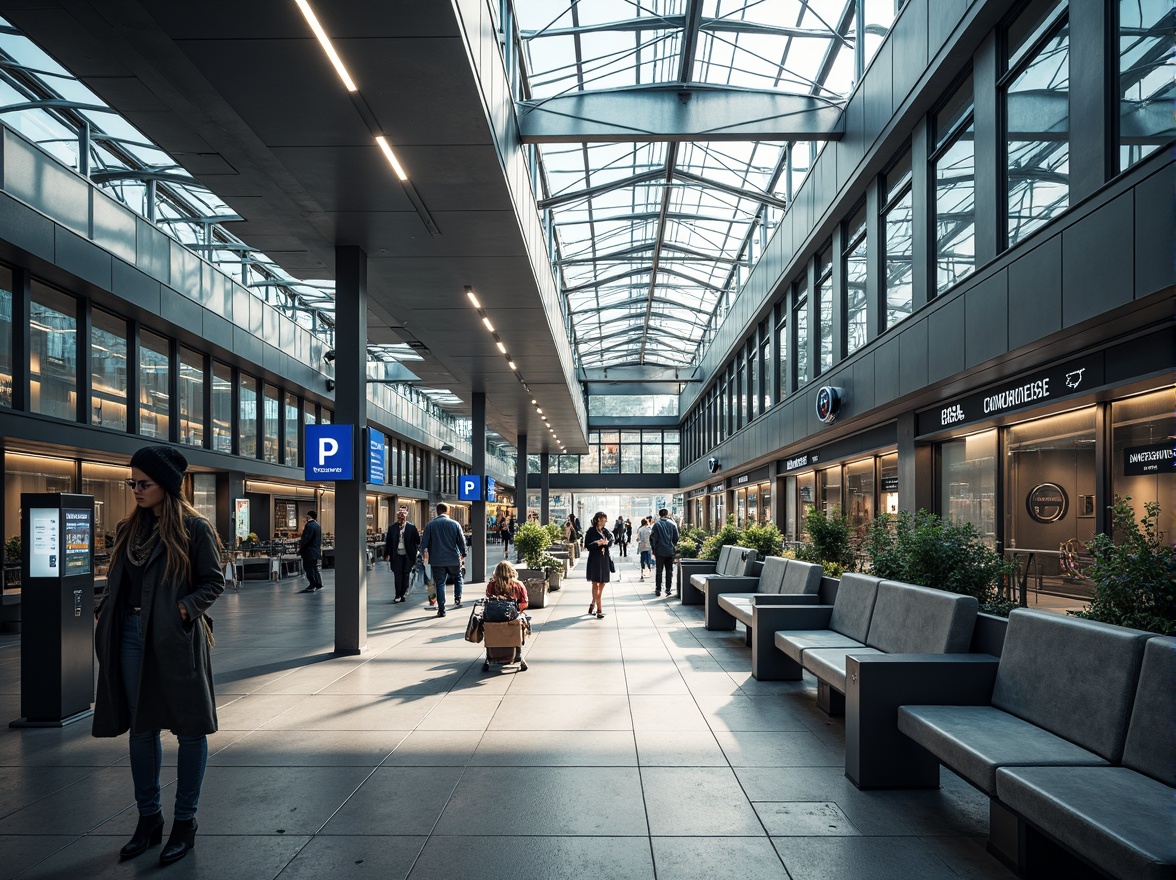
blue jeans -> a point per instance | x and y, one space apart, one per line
646 559
145 748
441 574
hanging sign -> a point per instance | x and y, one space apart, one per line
328 452
1158 458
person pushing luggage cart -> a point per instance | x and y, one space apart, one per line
504 627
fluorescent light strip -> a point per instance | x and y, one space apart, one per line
473 299
501 347
489 326
390 156
325 42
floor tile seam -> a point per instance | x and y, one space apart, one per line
74 839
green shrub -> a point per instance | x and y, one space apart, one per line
765 538
12 549
695 534
554 532
922 549
686 548
1134 578
828 539
547 562
531 540
728 534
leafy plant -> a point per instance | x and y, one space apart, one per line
728 534
12 549
1134 578
686 548
554 532
765 538
922 549
547 562
697 534
531 540
828 539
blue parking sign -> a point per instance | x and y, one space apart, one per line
329 453
469 488
491 490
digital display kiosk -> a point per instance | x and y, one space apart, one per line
57 609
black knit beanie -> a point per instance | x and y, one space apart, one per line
164 465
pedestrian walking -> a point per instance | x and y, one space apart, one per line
663 540
400 548
444 547
598 567
310 548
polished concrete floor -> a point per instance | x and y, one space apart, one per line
637 746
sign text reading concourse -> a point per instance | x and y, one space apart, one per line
1074 377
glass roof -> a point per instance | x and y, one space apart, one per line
653 239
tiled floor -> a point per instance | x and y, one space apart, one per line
637 746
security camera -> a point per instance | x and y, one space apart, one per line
330 384
329 356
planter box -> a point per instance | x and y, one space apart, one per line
535 580
553 579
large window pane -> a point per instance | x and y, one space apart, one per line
292 429
1141 427
968 483
1037 114
782 354
1146 88
825 309
247 417
631 458
5 337
955 211
191 397
651 458
855 297
898 233
108 366
800 319
269 432
222 408
154 396
112 504
53 367
670 459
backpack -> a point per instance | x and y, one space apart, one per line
500 610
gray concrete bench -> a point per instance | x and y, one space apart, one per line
869 616
1074 743
781 582
733 562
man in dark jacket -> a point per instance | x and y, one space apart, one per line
663 540
444 548
401 550
310 547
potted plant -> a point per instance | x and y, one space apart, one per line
531 540
554 569
1134 577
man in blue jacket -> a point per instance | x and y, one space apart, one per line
663 540
444 548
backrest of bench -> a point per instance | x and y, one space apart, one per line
801 577
740 562
1151 736
1076 678
772 575
854 605
721 562
919 620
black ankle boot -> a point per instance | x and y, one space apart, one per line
148 833
181 839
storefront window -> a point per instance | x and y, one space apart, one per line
888 476
752 506
33 473
741 508
829 490
113 502
1145 78
1142 430
859 495
53 353
108 366
204 496
805 496
154 393
191 397
222 408
247 417
967 482
5 336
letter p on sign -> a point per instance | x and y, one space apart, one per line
328 447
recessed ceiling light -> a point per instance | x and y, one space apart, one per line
538 410
391 157
325 42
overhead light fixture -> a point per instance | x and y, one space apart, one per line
489 326
391 157
325 42
511 364
534 402
473 299
538 410
501 347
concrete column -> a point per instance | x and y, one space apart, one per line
520 482
476 570
351 409
544 487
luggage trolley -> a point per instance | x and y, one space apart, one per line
504 639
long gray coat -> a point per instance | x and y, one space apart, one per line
175 688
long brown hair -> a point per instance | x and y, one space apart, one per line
173 534
504 575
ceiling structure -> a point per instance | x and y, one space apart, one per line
668 137
666 132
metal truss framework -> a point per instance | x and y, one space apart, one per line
670 134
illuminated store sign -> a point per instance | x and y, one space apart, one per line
1158 458
800 462
1074 377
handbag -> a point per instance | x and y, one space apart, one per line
497 610
612 566
473 631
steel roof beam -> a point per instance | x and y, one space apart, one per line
676 112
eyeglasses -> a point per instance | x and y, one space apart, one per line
141 485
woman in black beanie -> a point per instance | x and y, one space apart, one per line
153 638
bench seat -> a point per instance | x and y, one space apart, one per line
976 741
781 581
828 664
795 642
1117 819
